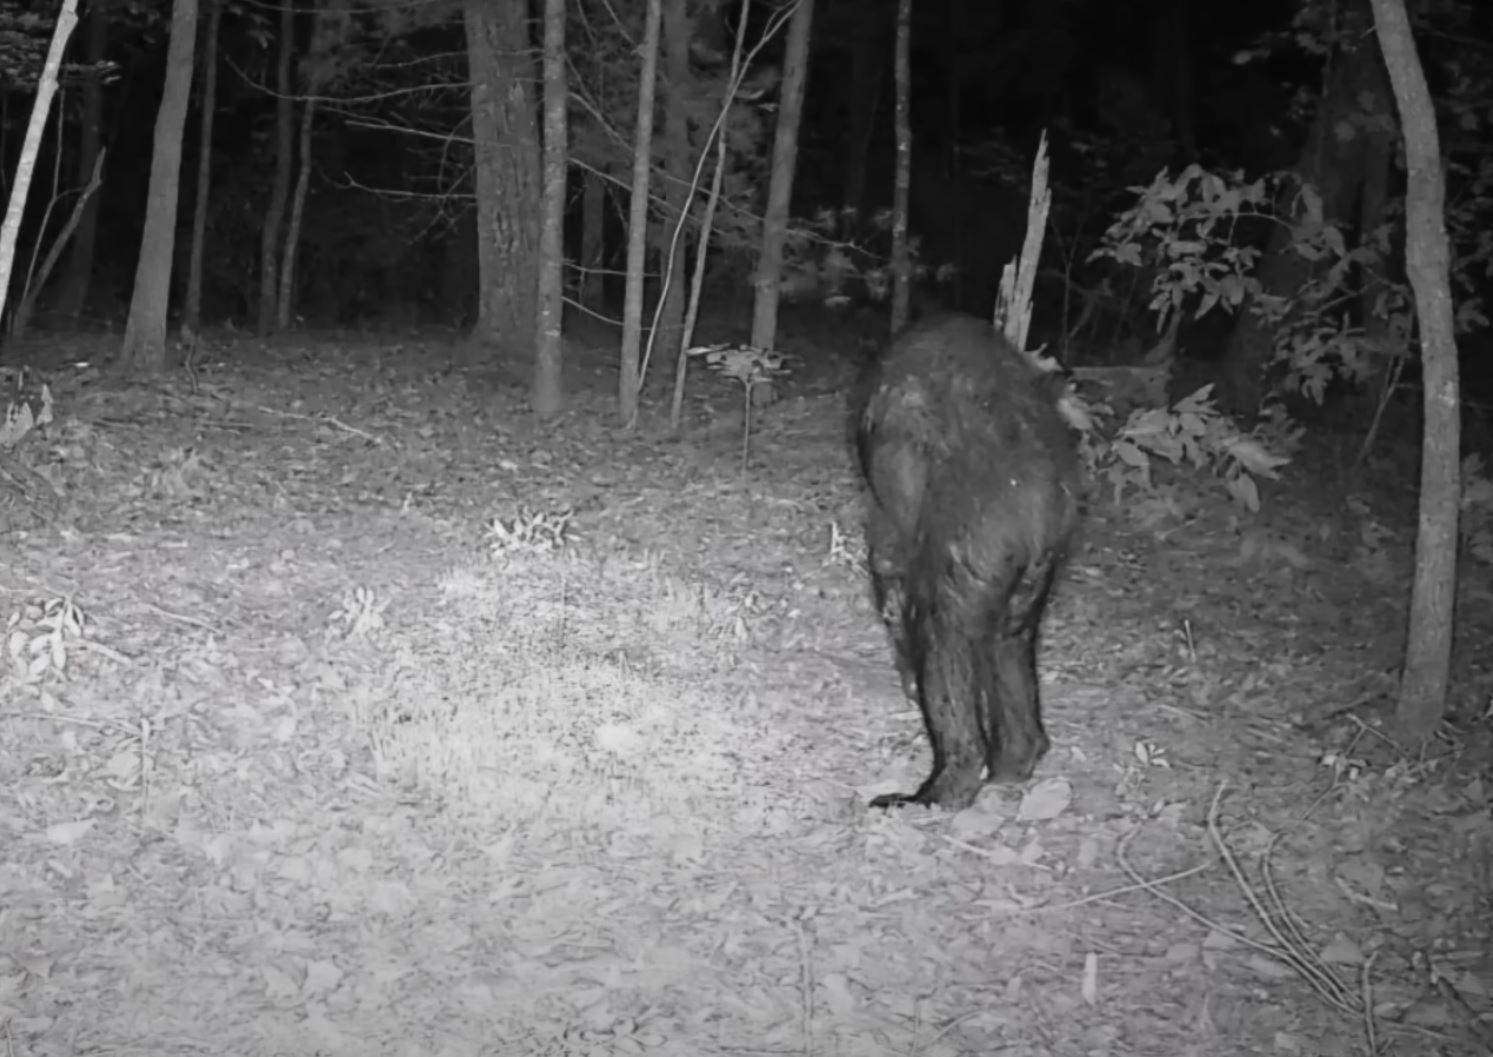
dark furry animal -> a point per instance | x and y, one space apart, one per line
974 499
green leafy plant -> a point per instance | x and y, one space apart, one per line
1194 433
1183 233
1186 236
38 638
529 532
20 419
360 614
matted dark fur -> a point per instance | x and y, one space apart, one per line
974 486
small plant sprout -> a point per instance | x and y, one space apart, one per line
37 637
360 614
530 532
749 366
845 549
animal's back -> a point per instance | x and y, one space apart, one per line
951 402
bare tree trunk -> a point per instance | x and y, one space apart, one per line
507 173
329 32
144 345
274 214
780 183
548 395
191 321
285 304
593 238
1356 100
902 182
46 90
867 76
672 250
637 221
72 297
1428 649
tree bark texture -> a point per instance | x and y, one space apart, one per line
1428 650
72 297
673 232
144 347
27 306
285 301
780 180
274 214
593 238
902 182
1354 111
505 133
637 219
192 311
548 393
41 107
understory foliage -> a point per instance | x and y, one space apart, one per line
1191 434
1193 239
1183 237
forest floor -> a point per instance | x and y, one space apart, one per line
299 754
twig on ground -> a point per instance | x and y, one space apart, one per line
1291 947
183 618
1105 896
107 651
984 854
58 717
333 419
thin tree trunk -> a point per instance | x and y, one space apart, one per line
274 214
1428 649
72 298
780 183
41 106
192 311
285 305
902 182
27 306
548 395
673 231
637 220
507 176
593 238
144 345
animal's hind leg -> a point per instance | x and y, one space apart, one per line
948 695
1016 711
891 605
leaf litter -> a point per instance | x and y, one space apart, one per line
349 710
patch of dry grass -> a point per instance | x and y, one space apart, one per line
560 686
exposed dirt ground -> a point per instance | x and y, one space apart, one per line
297 756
